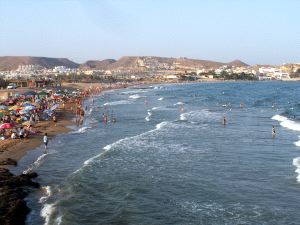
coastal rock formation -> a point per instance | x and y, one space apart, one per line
8 161
13 190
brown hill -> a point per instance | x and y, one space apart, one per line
131 62
97 64
12 62
237 63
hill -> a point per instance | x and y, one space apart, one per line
12 62
133 62
97 64
237 63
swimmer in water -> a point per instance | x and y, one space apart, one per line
273 132
224 121
242 105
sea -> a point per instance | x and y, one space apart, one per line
165 157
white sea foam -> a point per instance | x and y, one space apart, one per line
134 91
297 143
58 220
80 130
121 102
147 118
47 194
198 116
110 147
136 96
155 108
46 213
183 116
179 103
296 163
287 123
35 164
160 99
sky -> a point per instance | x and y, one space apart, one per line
254 31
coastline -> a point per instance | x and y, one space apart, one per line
15 187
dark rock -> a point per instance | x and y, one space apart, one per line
8 161
13 190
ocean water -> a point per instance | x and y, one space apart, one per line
168 159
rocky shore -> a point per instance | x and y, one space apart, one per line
13 190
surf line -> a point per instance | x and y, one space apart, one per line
110 147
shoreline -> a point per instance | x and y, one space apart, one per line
15 187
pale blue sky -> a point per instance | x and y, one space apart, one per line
255 31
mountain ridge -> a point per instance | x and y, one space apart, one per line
12 62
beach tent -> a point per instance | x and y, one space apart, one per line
6 126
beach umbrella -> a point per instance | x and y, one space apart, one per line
3 107
42 94
27 104
24 111
6 126
15 107
30 107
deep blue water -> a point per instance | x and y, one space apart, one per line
169 160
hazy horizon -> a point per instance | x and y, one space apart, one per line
256 32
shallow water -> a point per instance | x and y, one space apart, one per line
169 160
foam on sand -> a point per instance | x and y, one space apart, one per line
287 123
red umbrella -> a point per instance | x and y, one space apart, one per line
6 126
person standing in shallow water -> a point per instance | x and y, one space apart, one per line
45 140
224 121
273 132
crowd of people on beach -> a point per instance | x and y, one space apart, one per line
21 114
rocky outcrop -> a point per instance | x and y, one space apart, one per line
13 190
8 161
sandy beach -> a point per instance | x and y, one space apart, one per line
16 149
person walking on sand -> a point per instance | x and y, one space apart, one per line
273 132
45 140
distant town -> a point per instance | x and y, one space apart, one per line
32 73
